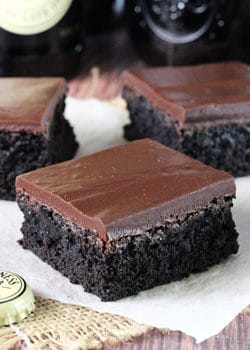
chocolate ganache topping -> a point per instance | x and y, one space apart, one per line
28 104
128 189
196 93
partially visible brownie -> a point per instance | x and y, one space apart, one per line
33 130
128 218
203 111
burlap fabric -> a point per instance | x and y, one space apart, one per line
58 326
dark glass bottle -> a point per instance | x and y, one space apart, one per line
174 32
103 15
245 40
41 38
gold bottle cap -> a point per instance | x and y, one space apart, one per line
16 298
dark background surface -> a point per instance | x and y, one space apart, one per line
157 32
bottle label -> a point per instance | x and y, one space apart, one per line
12 286
27 17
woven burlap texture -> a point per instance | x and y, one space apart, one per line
58 326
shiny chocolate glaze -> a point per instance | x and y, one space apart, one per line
196 93
28 103
126 190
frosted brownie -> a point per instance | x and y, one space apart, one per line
33 131
129 218
203 111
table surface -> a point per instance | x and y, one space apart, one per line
100 78
236 336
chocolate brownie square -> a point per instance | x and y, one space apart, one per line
33 130
128 218
203 111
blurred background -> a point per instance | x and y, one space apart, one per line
90 40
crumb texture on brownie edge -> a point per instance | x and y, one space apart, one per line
20 152
24 151
157 126
113 270
222 146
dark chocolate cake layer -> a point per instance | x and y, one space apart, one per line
128 218
33 130
203 111
124 267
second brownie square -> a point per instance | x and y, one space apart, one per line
203 111
33 130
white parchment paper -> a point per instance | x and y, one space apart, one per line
201 305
